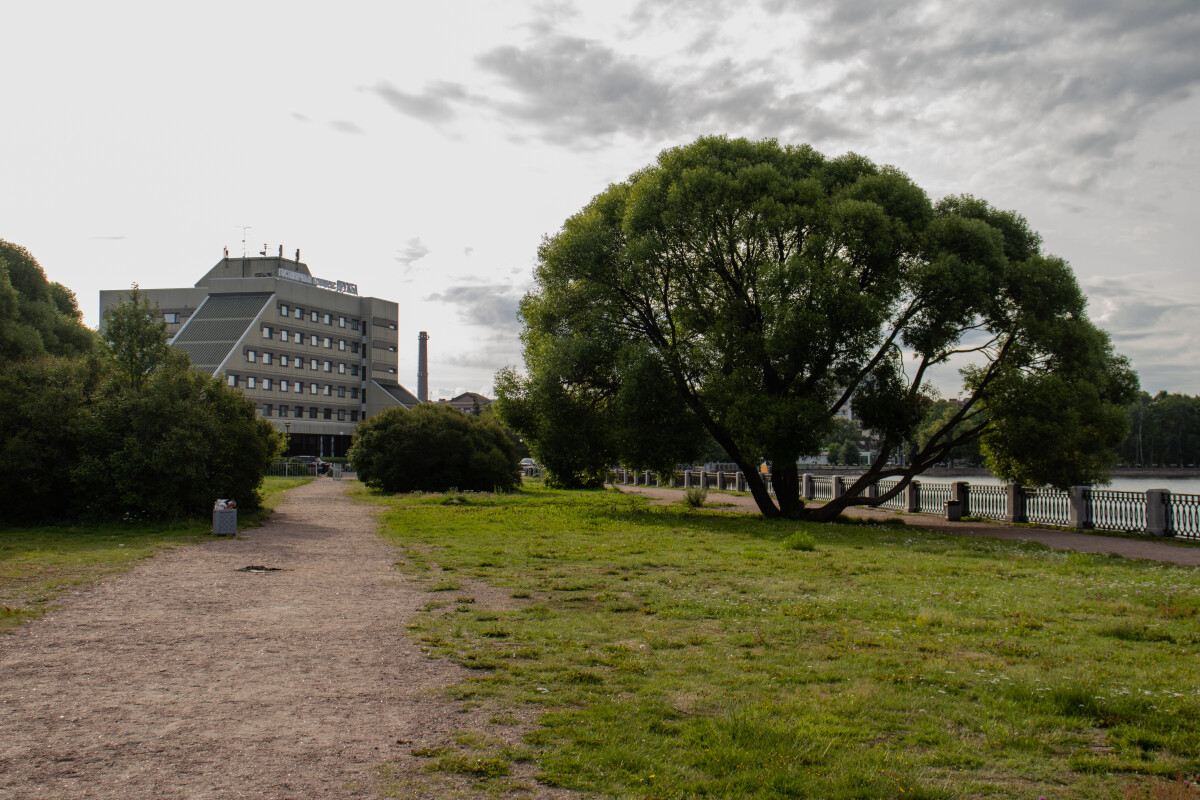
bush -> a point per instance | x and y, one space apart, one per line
800 541
695 496
433 448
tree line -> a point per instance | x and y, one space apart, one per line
113 424
1164 431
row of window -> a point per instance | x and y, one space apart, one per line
285 360
316 316
269 410
297 337
284 385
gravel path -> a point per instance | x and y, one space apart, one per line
189 678
1184 554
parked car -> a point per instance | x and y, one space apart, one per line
314 461
528 462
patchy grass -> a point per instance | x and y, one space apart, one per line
38 564
685 653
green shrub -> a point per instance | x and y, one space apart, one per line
433 448
800 541
695 496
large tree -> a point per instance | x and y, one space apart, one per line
755 289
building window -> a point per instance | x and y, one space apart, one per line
328 319
313 364
299 313
312 388
354 369
250 356
341 322
266 332
231 380
341 344
299 412
298 338
299 387
354 347
354 392
328 342
283 411
328 366
283 336
171 318
314 340
283 360
267 384
266 358
299 363
354 324
341 415
327 391
341 391
329 413
312 316
283 385
312 412
251 382
341 367
267 410
353 415
283 309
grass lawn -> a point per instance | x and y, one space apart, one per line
39 564
682 653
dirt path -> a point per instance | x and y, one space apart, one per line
1165 551
187 678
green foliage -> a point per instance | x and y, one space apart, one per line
136 336
756 290
123 430
433 448
1164 430
37 318
940 417
800 541
694 496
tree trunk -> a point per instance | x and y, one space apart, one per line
758 489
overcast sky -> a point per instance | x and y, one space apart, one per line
421 150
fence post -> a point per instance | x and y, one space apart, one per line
836 487
1080 515
1158 512
806 486
741 481
687 479
1014 506
912 497
960 492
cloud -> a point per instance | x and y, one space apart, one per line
577 91
493 306
434 105
468 250
414 251
345 126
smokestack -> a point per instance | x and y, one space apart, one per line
423 367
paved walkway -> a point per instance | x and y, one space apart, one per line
1182 553
189 678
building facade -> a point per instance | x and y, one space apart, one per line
314 356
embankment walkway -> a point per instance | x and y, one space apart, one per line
1166 551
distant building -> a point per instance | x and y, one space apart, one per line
314 356
467 402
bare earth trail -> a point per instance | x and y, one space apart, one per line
187 678
1168 552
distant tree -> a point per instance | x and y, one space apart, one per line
941 413
136 335
37 318
769 287
433 448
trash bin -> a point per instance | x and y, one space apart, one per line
224 518
953 511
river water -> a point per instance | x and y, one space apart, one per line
1175 485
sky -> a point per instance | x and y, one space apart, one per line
422 150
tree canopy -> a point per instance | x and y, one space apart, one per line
37 317
753 290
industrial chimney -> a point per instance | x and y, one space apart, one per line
423 367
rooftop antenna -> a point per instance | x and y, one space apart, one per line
244 229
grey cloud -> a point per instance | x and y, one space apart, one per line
345 126
414 251
296 115
579 90
434 105
493 306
